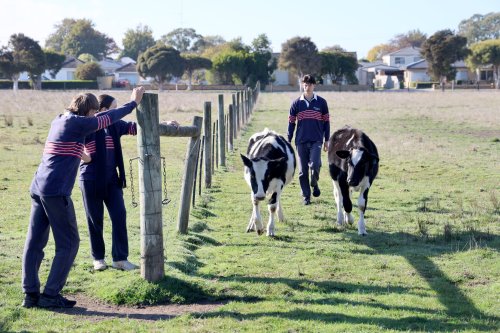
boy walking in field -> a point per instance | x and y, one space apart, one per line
309 113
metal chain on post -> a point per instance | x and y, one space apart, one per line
134 203
166 199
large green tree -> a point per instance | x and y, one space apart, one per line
339 65
300 56
74 37
413 38
137 41
262 64
230 67
160 62
193 62
441 50
480 27
23 54
486 53
207 42
182 39
56 39
53 61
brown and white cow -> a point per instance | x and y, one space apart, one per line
269 166
353 160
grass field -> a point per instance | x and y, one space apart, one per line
430 261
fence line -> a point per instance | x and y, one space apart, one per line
226 128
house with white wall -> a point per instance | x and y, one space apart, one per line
401 58
128 72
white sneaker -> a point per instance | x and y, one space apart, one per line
100 265
124 265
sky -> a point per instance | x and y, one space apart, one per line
355 25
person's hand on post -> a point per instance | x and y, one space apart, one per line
137 94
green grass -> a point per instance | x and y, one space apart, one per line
430 261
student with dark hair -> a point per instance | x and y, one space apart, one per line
309 113
102 181
51 204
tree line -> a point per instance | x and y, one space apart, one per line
185 53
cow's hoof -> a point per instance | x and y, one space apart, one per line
250 230
260 232
363 234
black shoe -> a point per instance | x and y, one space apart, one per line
316 191
30 300
306 201
58 301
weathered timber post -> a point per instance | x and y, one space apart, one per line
237 105
231 126
207 131
148 144
237 116
216 144
222 132
188 179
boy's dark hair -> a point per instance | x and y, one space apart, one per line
105 101
308 79
83 103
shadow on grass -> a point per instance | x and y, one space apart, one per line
419 257
403 324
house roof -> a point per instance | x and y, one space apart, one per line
409 51
422 64
71 62
128 68
110 64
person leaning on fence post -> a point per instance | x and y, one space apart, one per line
310 114
101 184
51 204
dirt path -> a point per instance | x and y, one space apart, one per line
90 309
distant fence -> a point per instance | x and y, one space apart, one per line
320 87
208 143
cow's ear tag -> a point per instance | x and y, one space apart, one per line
343 153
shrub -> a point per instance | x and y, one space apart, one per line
88 71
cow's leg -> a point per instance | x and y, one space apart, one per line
251 223
255 220
337 193
279 210
362 202
272 207
346 201
348 214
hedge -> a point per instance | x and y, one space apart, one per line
67 85
53 85
7 84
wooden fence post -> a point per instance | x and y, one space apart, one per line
222 132
148 144
231 126
207 131
188 178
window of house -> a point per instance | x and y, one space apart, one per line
399 61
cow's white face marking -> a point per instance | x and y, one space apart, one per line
356 156
348 141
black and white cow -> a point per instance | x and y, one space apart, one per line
353 160
269 166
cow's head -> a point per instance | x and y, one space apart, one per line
259 173
358 163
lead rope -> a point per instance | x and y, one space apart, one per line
166 200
